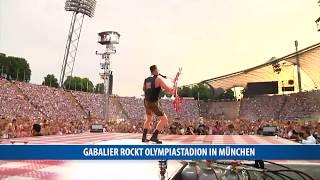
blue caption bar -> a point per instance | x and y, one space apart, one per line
156 152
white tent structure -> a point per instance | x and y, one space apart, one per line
282 70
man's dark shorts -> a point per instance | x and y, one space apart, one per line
153 107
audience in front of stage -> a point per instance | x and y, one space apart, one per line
36 130
305 132
307 137
231 130
294 130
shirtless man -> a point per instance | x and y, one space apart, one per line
152 87
12 129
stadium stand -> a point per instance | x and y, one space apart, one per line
223 110
52 102
95 103
261 107
301 105
13 104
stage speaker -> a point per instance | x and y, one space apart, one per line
288 88
269 131
291 82
96 128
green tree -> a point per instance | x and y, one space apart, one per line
228 94
78 84
200 90
51 81
185 91
218 92
87 85
203 91
15 68
99 88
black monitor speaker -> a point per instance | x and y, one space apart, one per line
269 131
96 128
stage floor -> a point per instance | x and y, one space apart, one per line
48 169
89 138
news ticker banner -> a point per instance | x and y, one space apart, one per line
157 152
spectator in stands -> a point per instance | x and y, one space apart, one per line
202 129
230 130
13 103
174 127
36 130
3 125
12 129
307 137
190 130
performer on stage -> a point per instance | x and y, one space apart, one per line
152 87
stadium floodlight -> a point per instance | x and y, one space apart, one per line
85 7
108 39
80 8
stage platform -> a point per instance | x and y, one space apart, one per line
89 138
48 169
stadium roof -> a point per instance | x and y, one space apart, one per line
309 63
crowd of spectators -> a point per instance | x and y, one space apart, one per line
301 105
91 102
94 103
53 102
294 130
135 108
60 112
13 104
238 126
189 109
285 107
261 107
23 127
220 109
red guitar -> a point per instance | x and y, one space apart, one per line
177 100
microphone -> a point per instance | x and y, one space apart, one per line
163 76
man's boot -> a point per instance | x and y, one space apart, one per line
154 137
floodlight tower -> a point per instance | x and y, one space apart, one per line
107 38
80 8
